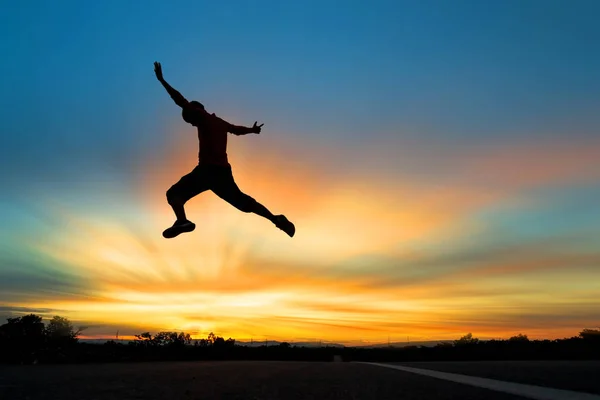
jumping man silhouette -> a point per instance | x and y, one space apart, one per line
213 171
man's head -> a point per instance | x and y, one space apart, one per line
191 115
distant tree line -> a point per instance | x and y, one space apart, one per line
27 340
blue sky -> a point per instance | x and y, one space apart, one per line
481 111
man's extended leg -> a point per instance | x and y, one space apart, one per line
228 190
258 209
245 203
280 221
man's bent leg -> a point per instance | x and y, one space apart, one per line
182 224
187 187
176 204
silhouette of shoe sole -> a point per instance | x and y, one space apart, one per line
176 230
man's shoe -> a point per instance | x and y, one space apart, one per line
285 225
177 228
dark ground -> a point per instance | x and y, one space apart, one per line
579 376
228 381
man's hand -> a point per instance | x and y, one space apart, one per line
256 128
158 71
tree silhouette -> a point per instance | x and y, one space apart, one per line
466 340
28 328
172 339
143 340
211 338
519 338
22 338
26 338
162 339
590 334
60 332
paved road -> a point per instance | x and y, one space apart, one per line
581 376
229 381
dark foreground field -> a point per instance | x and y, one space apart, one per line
228 381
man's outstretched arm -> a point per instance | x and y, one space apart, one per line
244 130
175 95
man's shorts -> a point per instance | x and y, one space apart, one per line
217 178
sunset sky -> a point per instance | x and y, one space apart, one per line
440 160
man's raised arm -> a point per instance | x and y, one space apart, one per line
175 95
244 130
